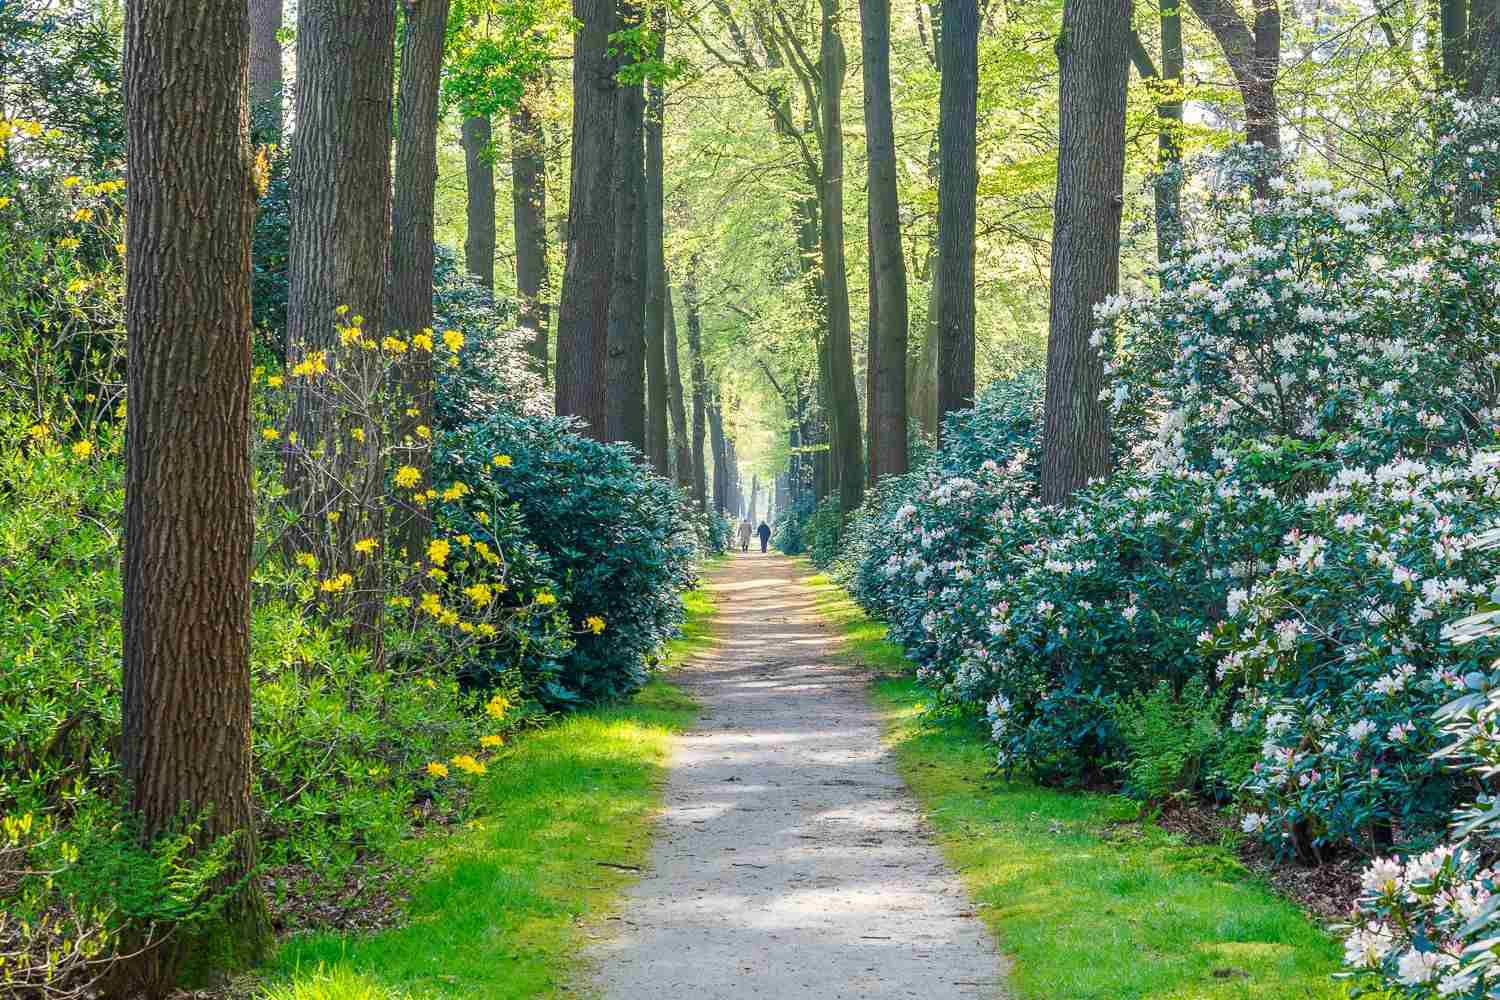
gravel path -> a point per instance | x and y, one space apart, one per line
789 861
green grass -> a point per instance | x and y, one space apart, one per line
1085 904
500 912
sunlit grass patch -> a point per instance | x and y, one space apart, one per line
1087 909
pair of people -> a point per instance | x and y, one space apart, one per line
764 531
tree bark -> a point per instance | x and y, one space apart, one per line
583 310
886 424
528 200
957 195
1168 192
1253 52
1093 54
682 449
412 224
338 252
843 394
721 455
1453 16
479 173
265 71
657 446
699 379
626 389
185 744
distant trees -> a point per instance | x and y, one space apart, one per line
958 182
1093 55
185 746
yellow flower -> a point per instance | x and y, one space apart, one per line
4 202
336 584
308 561
77 286
68 243
455 491
38 431
83 449
594 624
466 627
437 770
501 461
72 181
358 434
120 248
486 629
275 381
424 432
497 706
399 602
431 605
437 551
453 339
422 341
438 575
316 363
545 597
491 741
341 310
348 335
448 618
408 476
482 517
82 215
463 540
465 762
393 345
479 594
364 546
270 433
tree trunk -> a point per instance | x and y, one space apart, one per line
528 201
682 451
1453 16
721 456
657 445
957 193
583 310
754 496
185 744
479 172
700 379
626 390
886 425
338 251
843 395
922 385
1253 52
265 71
1093 62
410 312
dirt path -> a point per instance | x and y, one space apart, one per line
790 861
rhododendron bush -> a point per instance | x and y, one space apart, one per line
1306 453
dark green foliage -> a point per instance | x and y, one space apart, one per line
619 544
1170 738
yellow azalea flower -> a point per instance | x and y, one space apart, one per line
466 627
422 341
393 345
83 449
479 594
82 215
69 243
482 517
463 540
336 584
453 339
491 741
72 181
438 575
333 515
545 597
431 493
431 605
348 335
408 476
316 363
119 248
364 546
77 286
448 618
455 491
400 602
38 431
486 629
437 770
501 461
358 434
341 310
497 706
358 320
412 411
464 762
270 433
4 202
275 381
594 624
437 551
308 561
424 432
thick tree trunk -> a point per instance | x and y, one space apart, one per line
682 448
185 744
957 193
843 395
626 388
922 381
1253 52
1093 60
657 446
410 312
1453 16
337 257
721 456
528 200
265 71
886 425
1168 192
479 172
700 379
583 310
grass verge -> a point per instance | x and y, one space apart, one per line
1087 905
561 820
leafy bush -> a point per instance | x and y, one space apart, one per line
618 539
1170 738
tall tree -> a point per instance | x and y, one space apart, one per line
1093 53
700 388
528 199
479 174
843 396
185 741
625 388
886 424
1167 85
682 448
722 485
265 70
410 308
337 258
1253 51
958 186
583 310
657 404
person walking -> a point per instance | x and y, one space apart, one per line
745 530
764 531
